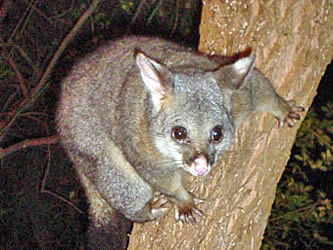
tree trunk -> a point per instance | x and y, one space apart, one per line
293 41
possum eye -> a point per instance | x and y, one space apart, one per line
179 133
216 134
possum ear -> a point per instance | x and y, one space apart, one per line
243 68
155 77
236 74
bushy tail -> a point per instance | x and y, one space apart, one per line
109 234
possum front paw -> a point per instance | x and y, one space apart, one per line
153 209
157 206
185 212
292 115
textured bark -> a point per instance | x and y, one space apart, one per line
293 41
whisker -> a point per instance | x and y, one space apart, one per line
167 167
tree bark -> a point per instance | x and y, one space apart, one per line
293 41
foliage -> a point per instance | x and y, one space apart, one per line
302 215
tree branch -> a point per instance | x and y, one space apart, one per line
28 143
36 91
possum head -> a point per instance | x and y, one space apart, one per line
191 121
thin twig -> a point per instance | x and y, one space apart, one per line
33 6
150 18
19 77
138 10
44 191
176 19
40 86
28 143
310 206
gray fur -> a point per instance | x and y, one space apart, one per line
116 123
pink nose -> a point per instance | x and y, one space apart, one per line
200 166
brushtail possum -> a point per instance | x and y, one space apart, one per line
140 112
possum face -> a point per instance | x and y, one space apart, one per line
194 128
190 124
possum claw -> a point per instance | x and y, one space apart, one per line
159 201
185 213
157 208
158 212
292 115
197 200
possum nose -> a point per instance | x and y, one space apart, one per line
200 166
